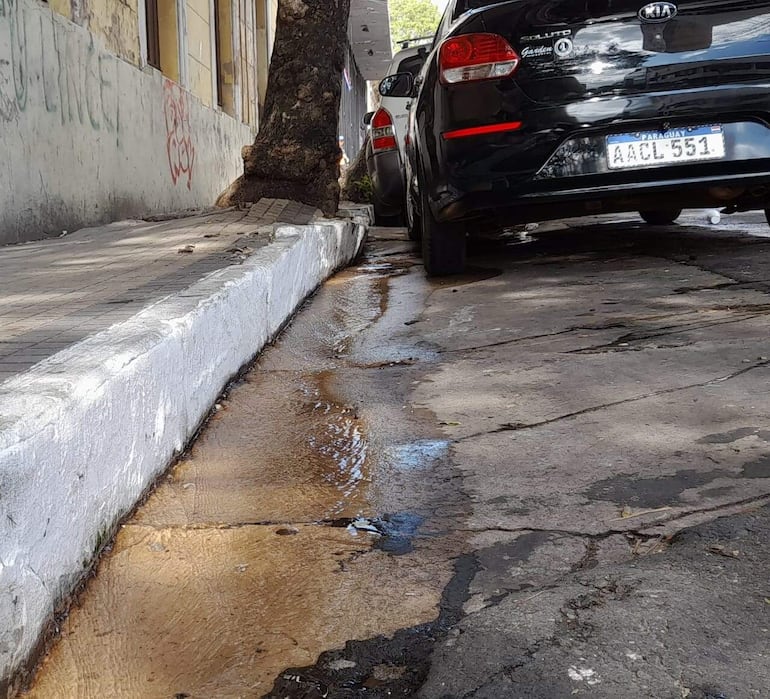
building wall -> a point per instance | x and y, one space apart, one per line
200 65
353 105
113 23
267 11
90 135
87 137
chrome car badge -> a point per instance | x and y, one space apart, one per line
562 48
657 12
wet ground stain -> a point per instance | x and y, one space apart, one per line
760 468
306 523
663 490
311 510
735 435
382 666
652 492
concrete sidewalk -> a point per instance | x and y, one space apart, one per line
114 344
55 293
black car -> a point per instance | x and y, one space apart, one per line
530 110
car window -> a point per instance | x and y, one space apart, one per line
446 20
411 65
465 5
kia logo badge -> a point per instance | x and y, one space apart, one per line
657 12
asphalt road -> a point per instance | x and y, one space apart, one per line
549 477
603 391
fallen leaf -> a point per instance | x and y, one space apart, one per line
186 249
628 513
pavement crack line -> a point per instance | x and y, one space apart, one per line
665 331
527 338
732 280
643 532
528 656
335 523
520 426
723 286
754 500
576 534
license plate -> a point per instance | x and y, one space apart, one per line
655 148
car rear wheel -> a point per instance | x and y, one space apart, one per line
444 245
661 217
413 223
387 220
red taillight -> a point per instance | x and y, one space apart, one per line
471 57
383 134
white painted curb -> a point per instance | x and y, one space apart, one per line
84 433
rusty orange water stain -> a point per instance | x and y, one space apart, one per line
229 573
221 612
284 451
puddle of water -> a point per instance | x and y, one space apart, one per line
393 533
283 451
220 613
398 532
242 564
349 304
418 454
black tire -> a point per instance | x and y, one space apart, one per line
387 220
661 217
444 245
413 222
396 221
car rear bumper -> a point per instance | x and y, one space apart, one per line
561 151
590 196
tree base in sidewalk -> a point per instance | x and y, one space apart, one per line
248 190
296 155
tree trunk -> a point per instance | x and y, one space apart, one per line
295 154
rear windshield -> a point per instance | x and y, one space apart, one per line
412 65
465 5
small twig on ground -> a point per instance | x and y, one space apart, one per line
529 599
641 513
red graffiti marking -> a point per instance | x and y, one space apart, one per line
179 144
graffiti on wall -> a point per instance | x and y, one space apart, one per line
179 141
52 66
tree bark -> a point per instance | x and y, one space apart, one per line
295 154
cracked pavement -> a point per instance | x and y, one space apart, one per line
618 468
561 465
606 397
